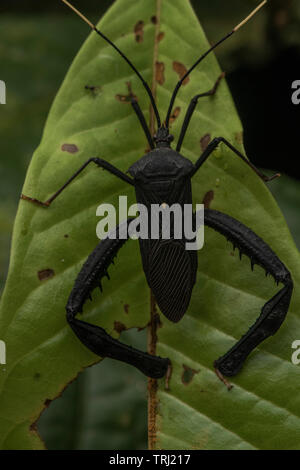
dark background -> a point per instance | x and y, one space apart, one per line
261 63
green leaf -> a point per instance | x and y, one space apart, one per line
43 355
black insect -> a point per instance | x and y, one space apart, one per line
164 176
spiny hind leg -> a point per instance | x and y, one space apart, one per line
274 311
94 337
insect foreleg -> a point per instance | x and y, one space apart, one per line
274 311
94 337
191 109
214 144
99 162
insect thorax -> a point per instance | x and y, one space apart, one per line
162 176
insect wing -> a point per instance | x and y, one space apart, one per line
171 276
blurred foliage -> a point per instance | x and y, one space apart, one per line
33 64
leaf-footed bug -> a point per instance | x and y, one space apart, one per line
164 176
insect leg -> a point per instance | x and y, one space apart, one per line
101 163
274 311
191 110
94 337
143 122
214 144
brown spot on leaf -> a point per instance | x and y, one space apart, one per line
160 36
204 141
188 374
159 72
33 427
45 274
71 148
139 31
126 98
47 402
66 236
181 70
94 90
239 137
126 308
119 326
175 114
154 19
209 196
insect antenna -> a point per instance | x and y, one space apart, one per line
145 84
203 57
